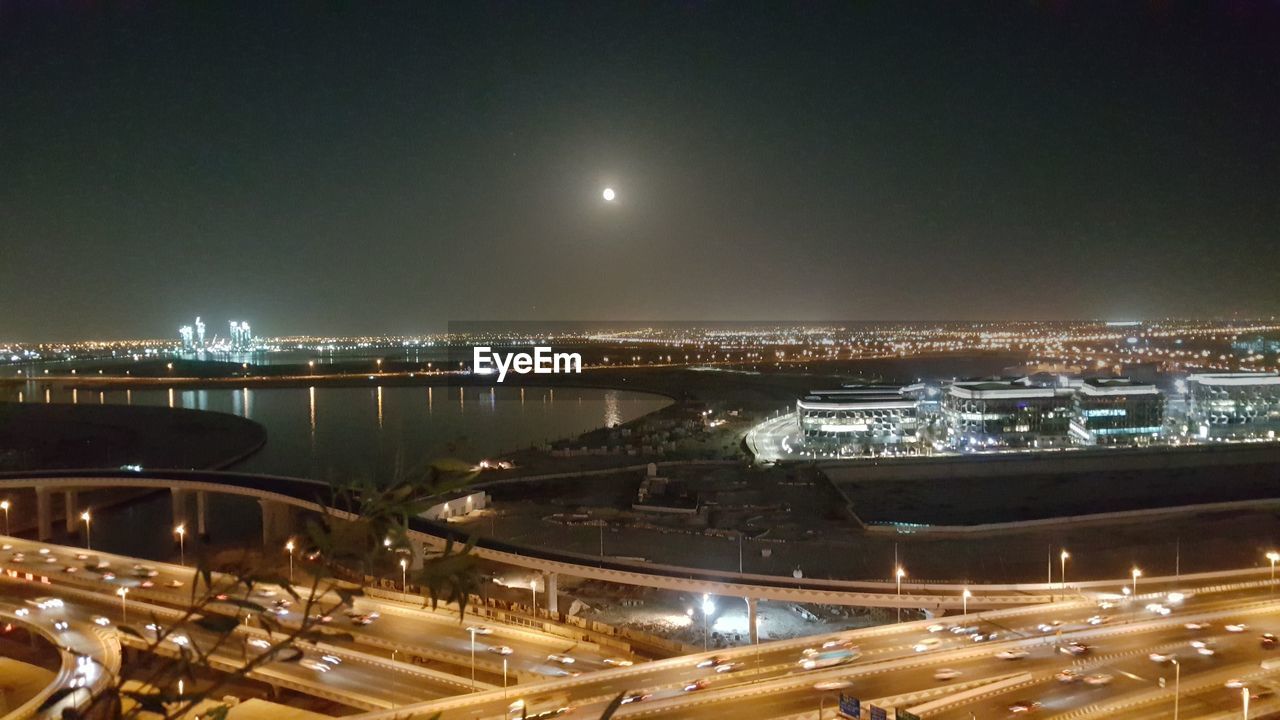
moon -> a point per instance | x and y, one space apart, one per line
609 194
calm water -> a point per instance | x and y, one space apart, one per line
333 432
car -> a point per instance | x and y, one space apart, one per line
1234 684
1098 679
1074 648
1160 658
926 645
179 640
43 551
618 662
1267 640
1207 651
1012 654
562 659
101 621
145 571
962 630
946 674
1199 644
635 697
46 603
480 629
936 628
79 556
331 659
146 584
259 643
1236 628
361 619
835 643
174 583
1098 619
108 576
501 650
1049 626
1024 706
699 684
1067 676
729 667
1106 605
831 685
323 619
981 637
315 665
60 625
153 627
715 660
50 560
72 569
1196 626
22 612
281 603
812 660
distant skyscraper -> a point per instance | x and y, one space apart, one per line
246 336
187 337
199 332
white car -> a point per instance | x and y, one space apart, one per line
1012 654
331 659
101 620
480 630
947 674
315 665
1196 625
936 628
1097 619
501 650
1234 684
1097 679
46 603
615 662
1049 626
1161 658
179 640
1067 676
562 659
60 625
259 643
1236 628
926 645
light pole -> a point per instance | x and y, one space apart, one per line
124 610
1273 556
1177 686
87 518
898 575
1063 557
504 679
1136 574
708 607
472 630
533 590
4 505
1244 699
289 546
964 600
181 530
739 553
404 581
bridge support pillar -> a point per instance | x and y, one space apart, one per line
752 620
70 498
44 515
551 582
276 525
202 514
179 502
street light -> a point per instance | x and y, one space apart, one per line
87 520
181 530
472 630
1244 698
533 590
1177 686
1063 557
404 576
1273 556
1136 574
898 575
4 505
708 607
964 599
124 611
289 546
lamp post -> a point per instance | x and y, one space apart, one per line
4 505
1273 556
708 607
181 530
404 581
898 575
1063 557
1177 686
1244 699
533 590
1136 574
87 518
289 546
124 610
964 600
504 679
472 630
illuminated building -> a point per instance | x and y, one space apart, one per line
1006 413
199 332
1233 405
188 337
1117 411
857 419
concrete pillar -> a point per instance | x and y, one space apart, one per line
73 511
553 591
276 524
44 515
202 514
752 620
179 501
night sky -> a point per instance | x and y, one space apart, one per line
330 167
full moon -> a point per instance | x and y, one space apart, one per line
609 195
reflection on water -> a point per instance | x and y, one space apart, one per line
332 432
